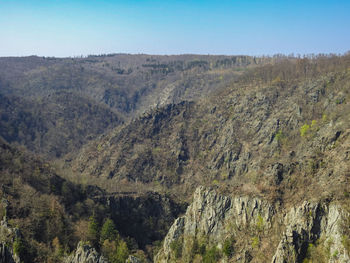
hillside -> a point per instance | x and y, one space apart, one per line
47 215
109 150
53 106
279 133
55 125
269 133
221 228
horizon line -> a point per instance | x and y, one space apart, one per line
290 55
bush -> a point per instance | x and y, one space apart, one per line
255 242
304 130
176 247
18 247
228 247
315 253
260 223
279 135
212 255
313 124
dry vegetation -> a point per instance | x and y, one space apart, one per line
124 125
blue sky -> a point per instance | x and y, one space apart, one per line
72 28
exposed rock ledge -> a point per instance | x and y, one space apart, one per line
307 224
217 217
7 237
85 254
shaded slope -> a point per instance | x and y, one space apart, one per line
54 125
53 214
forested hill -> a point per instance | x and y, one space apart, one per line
109 150
55 105
272 131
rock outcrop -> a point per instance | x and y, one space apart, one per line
7 237
309 224
133 259
215 218
248 229
85 254
6 255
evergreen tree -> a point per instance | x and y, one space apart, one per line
93 231
108 231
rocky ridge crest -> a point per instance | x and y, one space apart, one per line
85 254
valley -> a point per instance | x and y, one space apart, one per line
183 158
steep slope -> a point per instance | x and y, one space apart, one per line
52 214
220 228
31 193
277 129
127 83
55 125
272 140
67 102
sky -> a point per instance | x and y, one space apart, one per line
65 28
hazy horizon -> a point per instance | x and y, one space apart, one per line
62 28
186 54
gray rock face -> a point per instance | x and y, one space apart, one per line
217 217
210 211
7 237
6 255
85 254
132 259
307 224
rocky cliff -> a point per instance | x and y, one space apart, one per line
85 254
313 230
8 235
218 228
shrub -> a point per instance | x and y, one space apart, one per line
228 248
198 247
324 117
215 182
108 248
304 130
313 123
176 247
255 242
18 247
315 253
212 255
224 175
260 223
346 243
279 136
